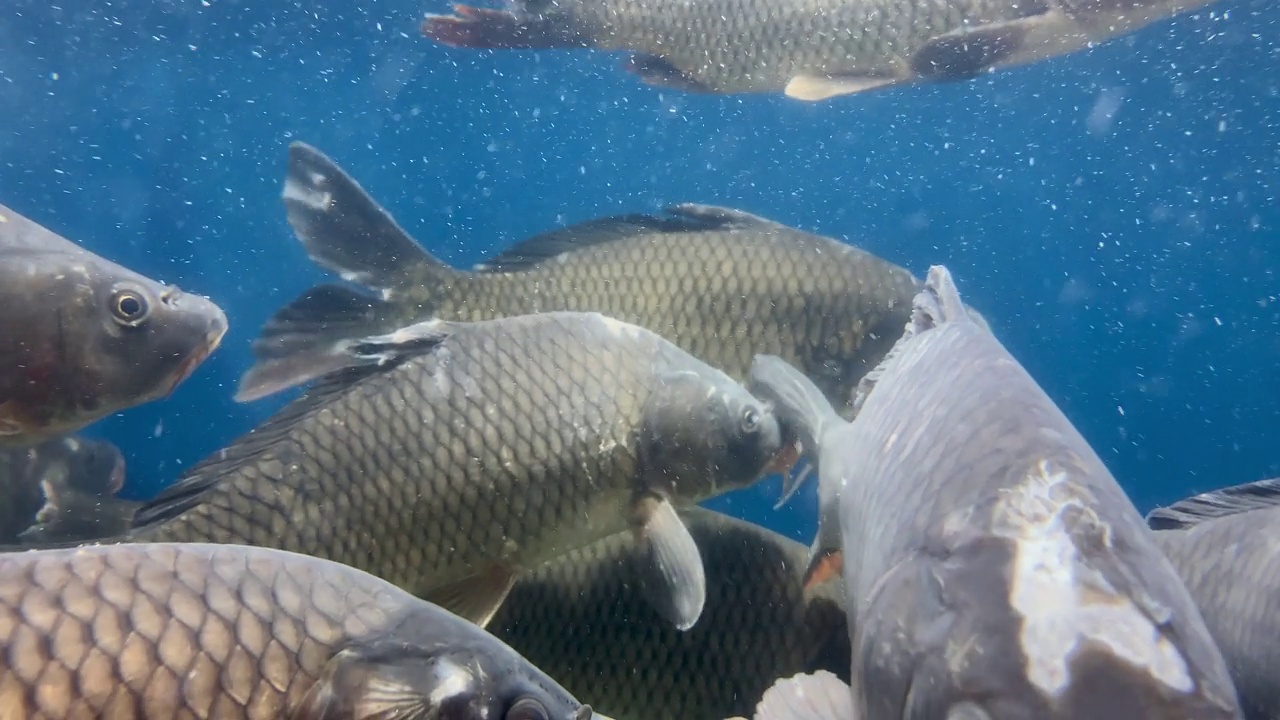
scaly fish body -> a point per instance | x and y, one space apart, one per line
582 619
811 49
1226 546
721 284
62 490
181 631
82 337
488 449
994 567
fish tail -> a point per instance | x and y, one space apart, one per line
472 27
344 230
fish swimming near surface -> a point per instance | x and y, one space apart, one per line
811 50
451 458
1226 546
61 490
583 619
82 337
171 631
719 283
994 568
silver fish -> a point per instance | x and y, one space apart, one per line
82 337
994 567
810 49
1226 546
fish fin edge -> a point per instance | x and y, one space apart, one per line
820 695
1224 502
672 577
476 598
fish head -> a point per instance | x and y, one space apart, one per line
144 338
703 433
91 466
440 679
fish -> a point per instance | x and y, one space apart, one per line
810 51
993 566
165 631
583 619
720 283
62 489
84 338
1223 544
451 458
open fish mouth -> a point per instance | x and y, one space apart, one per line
212 339
785 460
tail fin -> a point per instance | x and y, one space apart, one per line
344 230
804 410
472 27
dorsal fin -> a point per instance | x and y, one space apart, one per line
937 302
683 218
384 354
1232 500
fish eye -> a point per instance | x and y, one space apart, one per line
750 420
129 307
528 709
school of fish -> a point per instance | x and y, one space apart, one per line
485 500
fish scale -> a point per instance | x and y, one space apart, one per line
719 283
580 619
498 446
196 631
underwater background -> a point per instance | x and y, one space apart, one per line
1114 213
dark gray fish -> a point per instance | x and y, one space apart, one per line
994 567
459 456
62 490
1226 546
719 283
182 631
82 337
810 49
583 619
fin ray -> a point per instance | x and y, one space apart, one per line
673 578
1224 502
342 228
476 598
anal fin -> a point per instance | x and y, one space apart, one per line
673 579
814 88
476 598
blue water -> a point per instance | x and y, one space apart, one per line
1131 262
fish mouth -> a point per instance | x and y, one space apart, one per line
212 339
785 460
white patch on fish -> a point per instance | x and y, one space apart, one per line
309 194
454 680
1063 601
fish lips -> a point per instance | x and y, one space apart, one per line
212 339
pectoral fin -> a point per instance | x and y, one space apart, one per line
359 684
963 54
672 577
478 597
